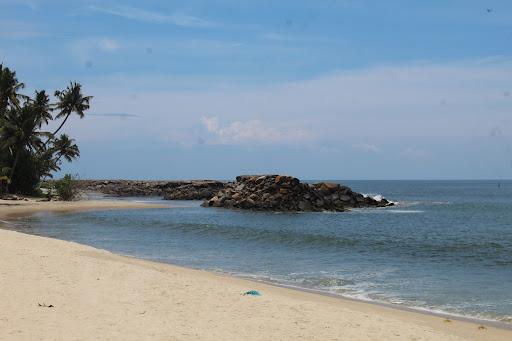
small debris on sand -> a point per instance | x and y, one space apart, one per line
45 306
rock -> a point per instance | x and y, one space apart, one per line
305 206
286 193
247 203
170 190
196 190
344 197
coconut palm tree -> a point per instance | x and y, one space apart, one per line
20 131
9 87
24 158
42 107
65 147
49 160
71 100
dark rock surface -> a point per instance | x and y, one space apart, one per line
286 193
171 190
195 190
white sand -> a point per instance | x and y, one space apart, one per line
101 296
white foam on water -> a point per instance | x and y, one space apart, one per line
385 211
8 223
372 195
408 203
378 197
454 311
405 211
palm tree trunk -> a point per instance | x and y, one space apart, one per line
15 163
56 131
58 159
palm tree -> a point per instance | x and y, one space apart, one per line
71 100
19 131
24 158
65 147
50 159
42 107
9 87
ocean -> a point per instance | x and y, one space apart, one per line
445 247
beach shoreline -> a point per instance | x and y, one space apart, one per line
296 311
443 315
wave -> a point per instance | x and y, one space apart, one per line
360 292
376 197
11 224
379 198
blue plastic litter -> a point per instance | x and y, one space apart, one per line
252 292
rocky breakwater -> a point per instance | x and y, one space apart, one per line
195 190
286 193
170 190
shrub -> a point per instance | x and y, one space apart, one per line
67 188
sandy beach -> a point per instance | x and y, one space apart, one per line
58 290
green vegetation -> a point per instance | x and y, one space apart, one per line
66 188
29 153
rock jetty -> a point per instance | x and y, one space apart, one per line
170 190
195 190
286 193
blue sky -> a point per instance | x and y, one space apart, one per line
317 89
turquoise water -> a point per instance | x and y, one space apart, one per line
446 246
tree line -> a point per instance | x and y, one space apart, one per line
28 151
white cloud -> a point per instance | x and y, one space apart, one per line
251 132
369 147
86 49
133 13
211 123
107 44
416 153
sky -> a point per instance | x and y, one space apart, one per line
315 89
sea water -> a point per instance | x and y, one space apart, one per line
446 246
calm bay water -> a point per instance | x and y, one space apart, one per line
446 246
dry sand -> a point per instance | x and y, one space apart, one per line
97 295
